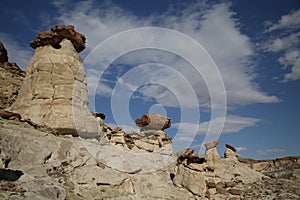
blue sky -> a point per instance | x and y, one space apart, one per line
254 45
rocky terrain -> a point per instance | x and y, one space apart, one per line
11 78
53 147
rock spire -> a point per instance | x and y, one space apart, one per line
54 92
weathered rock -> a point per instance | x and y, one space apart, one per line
229 154
212 156
117 138
56 35
144 145
221 190
99 114
11 78
191 180
9 115
230 147
116 129
190 156
54 92
235 191
61 167
211 144
153 122
3 53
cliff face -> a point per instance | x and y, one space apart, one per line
55 83
11 79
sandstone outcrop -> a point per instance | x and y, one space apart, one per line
11 78
54 91
39 165
280 168
134 152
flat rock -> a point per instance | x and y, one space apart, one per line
211 144
56 35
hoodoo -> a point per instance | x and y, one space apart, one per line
54 92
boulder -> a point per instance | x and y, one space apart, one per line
191 180
211 144
153 122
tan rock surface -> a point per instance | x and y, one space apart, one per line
54 91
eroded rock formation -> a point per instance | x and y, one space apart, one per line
153 122
11 79
54 92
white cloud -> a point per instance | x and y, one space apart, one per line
286 43
16 52
239 149
291 58
233 124
291 20
283 43
268 152
214 27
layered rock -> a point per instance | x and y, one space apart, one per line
11 79
280 168
134 152
39 165
54 92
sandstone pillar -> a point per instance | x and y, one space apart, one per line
54 92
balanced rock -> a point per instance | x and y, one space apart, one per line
230 152
211 144
153 122
54 92
212 155
230 147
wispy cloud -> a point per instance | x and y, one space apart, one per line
16 52
269 152
289 21
286 43
233 124
240 149
215 27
